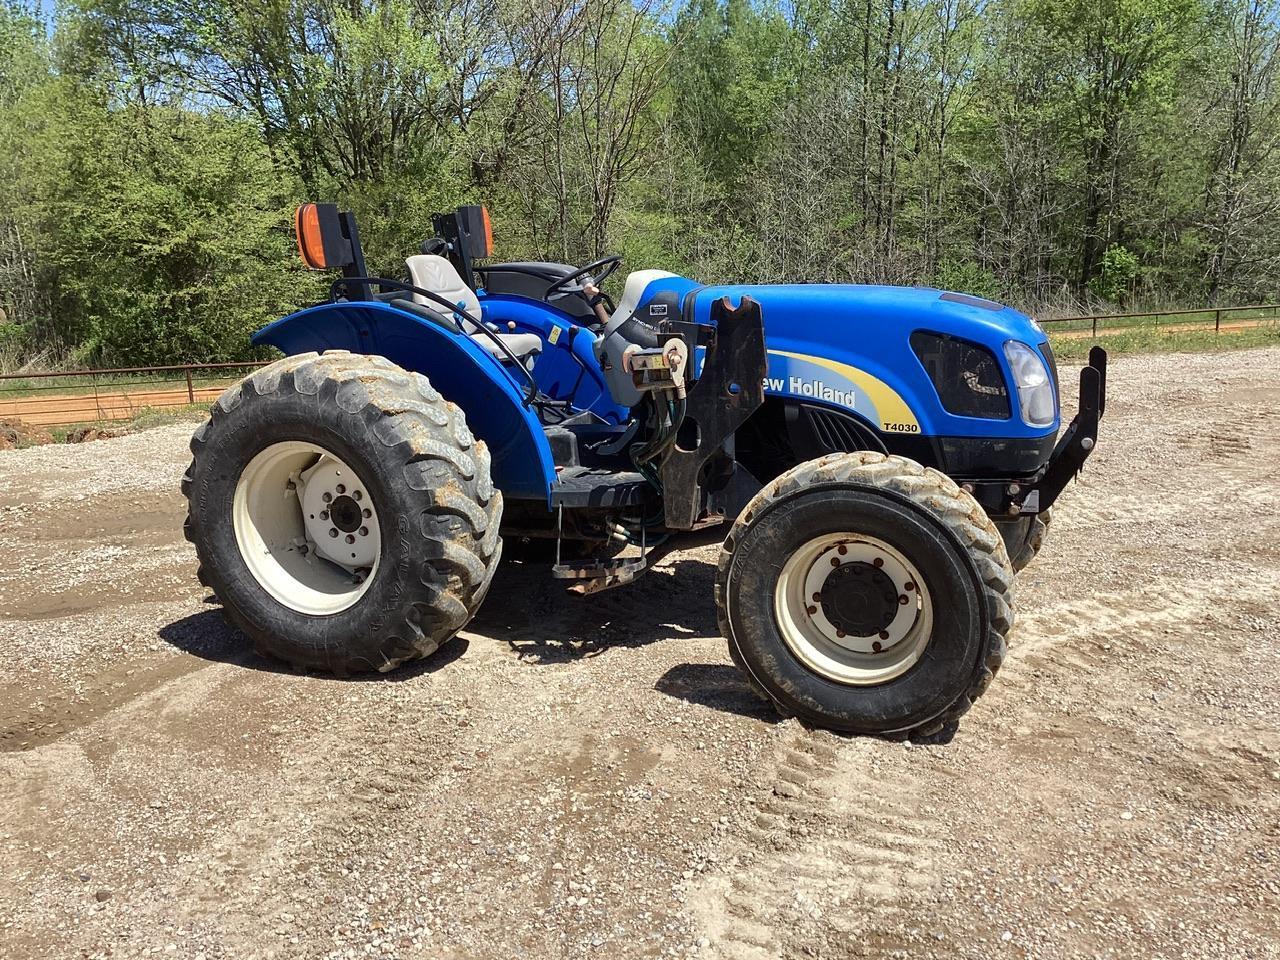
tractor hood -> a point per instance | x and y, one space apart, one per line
849 346
829 311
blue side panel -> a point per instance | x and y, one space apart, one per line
849 346
491 396
567 368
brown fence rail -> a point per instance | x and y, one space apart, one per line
1124 321
112 395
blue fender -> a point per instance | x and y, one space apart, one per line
492 397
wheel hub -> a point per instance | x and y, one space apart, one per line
853 608
860 599
306 527
345 514
340 523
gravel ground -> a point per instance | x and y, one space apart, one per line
582 777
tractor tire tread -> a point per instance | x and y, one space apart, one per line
1036 534
456 529
958 511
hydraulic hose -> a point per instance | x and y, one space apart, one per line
663 440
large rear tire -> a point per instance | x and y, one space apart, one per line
342 512
868 594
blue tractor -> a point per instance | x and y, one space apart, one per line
878 462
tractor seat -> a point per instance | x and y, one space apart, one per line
437 274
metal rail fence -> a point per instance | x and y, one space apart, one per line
112 395
1217 313
72 397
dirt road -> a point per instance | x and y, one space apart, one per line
590 777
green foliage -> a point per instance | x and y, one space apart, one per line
23 53
169 241
964 276
1043 152
1119 271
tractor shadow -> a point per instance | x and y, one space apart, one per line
717 686
534 614
208 636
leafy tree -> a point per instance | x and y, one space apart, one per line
1044 152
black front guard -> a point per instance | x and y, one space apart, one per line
1077 441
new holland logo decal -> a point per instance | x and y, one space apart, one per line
805 375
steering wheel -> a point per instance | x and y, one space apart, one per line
562 287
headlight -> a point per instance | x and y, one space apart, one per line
1035 386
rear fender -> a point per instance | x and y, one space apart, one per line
492 398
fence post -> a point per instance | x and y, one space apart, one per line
1095 328
1217 321
191 395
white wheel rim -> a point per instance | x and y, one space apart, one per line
808 595
306 527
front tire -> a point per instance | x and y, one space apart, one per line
1029 546
868 594
342 512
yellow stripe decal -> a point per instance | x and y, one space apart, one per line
894 414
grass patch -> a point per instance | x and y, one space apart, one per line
1151 340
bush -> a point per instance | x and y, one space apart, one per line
1119 272
964 276
168 241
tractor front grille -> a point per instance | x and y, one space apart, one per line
833 431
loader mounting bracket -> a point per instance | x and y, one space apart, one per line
1077 441
729 388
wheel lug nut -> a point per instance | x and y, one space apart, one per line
811 610
878 562
357 494
326 496
364 531
341 488
875 646
842 549
367 513
324 514
351 538
909 586
902 599
884 635
333 531
817 598
835 561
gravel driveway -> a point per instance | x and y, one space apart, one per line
589 777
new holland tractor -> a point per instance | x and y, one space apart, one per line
879 461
